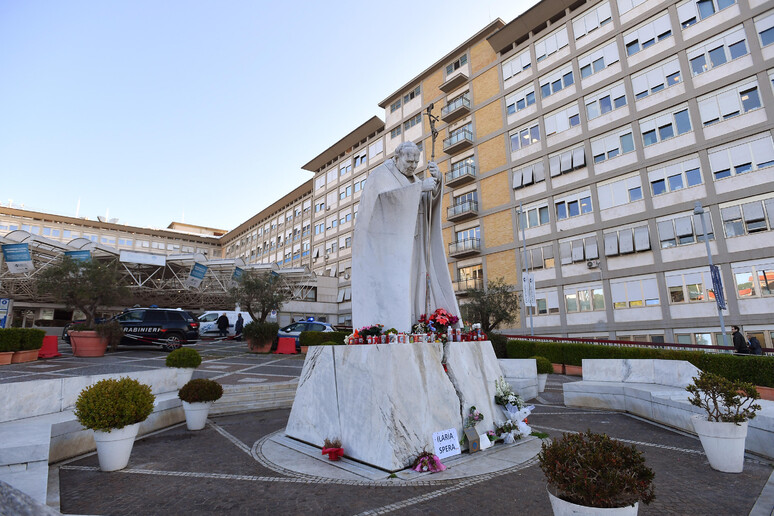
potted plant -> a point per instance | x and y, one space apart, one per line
114 409
544 368
260 292
198 396
593 474
185 360
9 343
260 336
30 342
723 429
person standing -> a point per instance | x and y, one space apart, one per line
223 325
755 345
740 343
238 327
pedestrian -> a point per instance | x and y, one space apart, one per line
223 325
240 324
755 345
740 343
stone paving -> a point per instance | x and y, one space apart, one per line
175 471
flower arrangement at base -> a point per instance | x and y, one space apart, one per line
491 435
332 448
505 396
512 430
426 461
438 322
474 417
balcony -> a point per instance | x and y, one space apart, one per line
458 141
456 108
462 286
461 175
454 82
465 247
462 211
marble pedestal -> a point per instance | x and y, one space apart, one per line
385 401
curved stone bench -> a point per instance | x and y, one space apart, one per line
655 390
521 375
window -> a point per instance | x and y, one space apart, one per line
520 100
578 250
627 5
395 132
718 51
468 235
562 120
375 148
675 176
737 158
516 65
541 257
534 216
684 230
755 280
395 106
693 11
359 160
604 101
345 169
634 292
411 95
583 299
627 241
612 145
546 46
556 81
411 122
647 34
320 206
573 205
566 161
746 218
464 203
729 102
524 137
547 303
689 286
591 20
461 133
530 174
359 183
598 59
663 126
764 26
656 78
619 192
456 65
319 228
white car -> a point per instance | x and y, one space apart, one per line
208 322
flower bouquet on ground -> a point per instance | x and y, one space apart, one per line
505 396
332 448
512 430
426 461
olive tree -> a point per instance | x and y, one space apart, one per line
259 292
493 305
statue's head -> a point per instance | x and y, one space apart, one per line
407 158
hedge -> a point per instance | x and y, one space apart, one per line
317 338
759 370
21 339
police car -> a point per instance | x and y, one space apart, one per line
165 327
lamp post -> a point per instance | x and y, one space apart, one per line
698 210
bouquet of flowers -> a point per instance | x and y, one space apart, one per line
505 396
371 331
426 461
491 435
512 430
474 416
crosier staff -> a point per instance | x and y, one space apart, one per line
428 200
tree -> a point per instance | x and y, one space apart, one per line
259 293
495 304
83 284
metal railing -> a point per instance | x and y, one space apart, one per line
463 207
468 284
455 104
468 244
458 136
468 169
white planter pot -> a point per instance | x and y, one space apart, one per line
114 447
563 508
542 382
196 414
723 443
184 376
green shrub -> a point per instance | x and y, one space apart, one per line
551 350
499 344
260 332
112 404
200 390
184 357
596 471
112 331
724 400
10 340
21 339
543 365
318 338
520 348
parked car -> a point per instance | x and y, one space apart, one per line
166 327
208 322
295 329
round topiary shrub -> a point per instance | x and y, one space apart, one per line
200 390
543 365
112 404
596 471
184 357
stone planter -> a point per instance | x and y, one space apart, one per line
29 355
573 370
196 414
304 349
184 375
254 346
558 368
564 508
542 382
88 344
5 357
115 447
723 443
767 393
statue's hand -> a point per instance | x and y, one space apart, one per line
429 184
432 168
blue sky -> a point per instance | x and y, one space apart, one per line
155 111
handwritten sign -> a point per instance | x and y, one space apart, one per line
446 443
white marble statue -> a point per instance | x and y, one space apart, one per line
397 240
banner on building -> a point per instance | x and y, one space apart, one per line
717 287
237 276
79 256
17 258
196 276
528 288
5 310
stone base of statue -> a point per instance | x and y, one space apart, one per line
385 401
